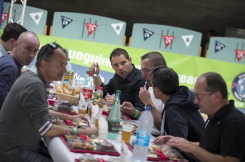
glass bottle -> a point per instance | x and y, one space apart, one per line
114 117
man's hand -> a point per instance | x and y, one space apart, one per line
128 108
88 131
145 96
95 68
162 139
109 99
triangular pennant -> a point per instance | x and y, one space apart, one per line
65 21
4 17
91 27
117 27
147 33
36 16
187 39
218 46
239 54
168 40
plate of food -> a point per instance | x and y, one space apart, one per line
161 152
75 123
85 144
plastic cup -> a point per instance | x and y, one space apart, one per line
127 131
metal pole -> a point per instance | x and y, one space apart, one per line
22 16
23 11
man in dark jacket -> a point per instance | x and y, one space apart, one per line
181 117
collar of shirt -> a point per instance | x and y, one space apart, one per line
223 111
3 50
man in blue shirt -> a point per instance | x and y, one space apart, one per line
25 49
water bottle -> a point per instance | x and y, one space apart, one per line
143 135
114 117
68 66
66 76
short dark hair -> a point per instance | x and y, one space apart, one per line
12 30
47 51
215 83
118 52
156 58
166 79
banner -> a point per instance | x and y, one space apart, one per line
189 68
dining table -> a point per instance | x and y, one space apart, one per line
60 151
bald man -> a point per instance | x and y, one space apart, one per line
24 51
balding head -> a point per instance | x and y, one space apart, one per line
26 47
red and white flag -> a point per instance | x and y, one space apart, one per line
168 40
91 27
239 54
4 17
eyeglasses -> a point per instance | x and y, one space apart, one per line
199 96
146 70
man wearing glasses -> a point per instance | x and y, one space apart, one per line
127 78
223 138
149 61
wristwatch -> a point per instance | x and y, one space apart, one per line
137 114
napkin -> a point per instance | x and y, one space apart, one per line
103 128
124 156
95 110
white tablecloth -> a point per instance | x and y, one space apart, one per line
60 153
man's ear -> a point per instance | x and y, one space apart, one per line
43 63
12 41
130 59
217 95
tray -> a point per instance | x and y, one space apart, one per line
160 155
96 150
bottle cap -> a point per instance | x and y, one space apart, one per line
90 73
100 88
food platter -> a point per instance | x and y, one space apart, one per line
161 153
84 144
